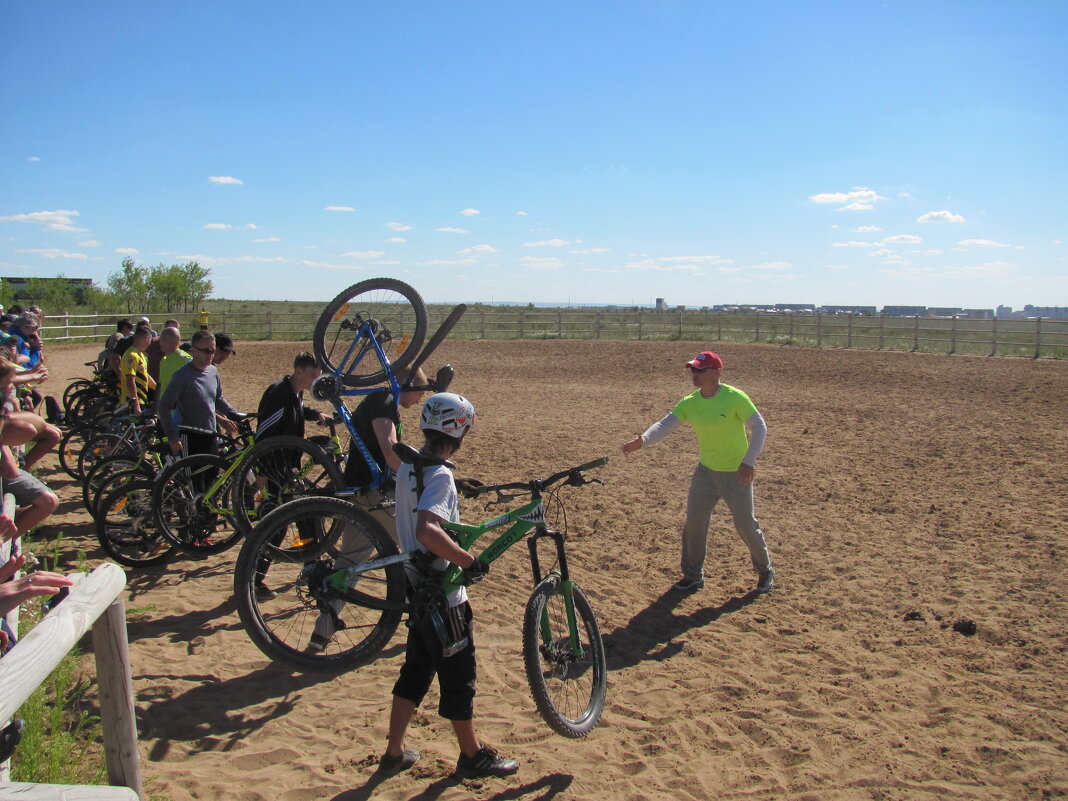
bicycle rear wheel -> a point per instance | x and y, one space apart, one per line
569 689
102 469
278 470
182 508
398 317
314 617
126 527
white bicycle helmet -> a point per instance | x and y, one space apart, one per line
448 413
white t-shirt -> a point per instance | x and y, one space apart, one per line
440 498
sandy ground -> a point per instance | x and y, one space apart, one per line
891 483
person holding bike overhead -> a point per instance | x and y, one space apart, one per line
426 497
718 413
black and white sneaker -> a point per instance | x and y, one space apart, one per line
485 762
688 585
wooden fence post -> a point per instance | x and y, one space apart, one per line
66 325
270 325
598 325
849 331
756 333
1038 336
790 335
559 324
882 329
953 336
916 333
482 316
819 330
116 697
719 326
994 338
522 323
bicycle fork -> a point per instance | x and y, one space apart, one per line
575 648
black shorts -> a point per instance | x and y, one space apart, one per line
456 674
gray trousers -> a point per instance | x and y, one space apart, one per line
706 488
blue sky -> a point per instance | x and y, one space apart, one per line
584 152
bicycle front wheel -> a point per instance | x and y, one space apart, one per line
280 469
294 597
397 316
126 527
568 683
184 511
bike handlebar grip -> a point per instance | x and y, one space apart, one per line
595 463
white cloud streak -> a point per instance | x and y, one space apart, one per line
398 226
541 262
470 213
58 220
127 251
982 243
479 250
225 179
547 243
338 208
450 229
53 253
859 198
901 239
940 217
363 254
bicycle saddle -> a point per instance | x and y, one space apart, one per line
410 455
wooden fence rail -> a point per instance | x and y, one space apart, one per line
94 603
1040 337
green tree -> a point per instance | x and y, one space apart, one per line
166 286
97 298
7 294
54 295
130 285
198 285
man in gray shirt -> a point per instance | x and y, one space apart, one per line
196 392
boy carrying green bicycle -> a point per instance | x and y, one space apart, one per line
426 497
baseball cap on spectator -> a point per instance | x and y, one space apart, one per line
704 360
27 321
224 342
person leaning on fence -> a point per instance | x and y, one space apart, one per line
195 392
718 414
35 502
19 427
424 500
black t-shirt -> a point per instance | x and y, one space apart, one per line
375 406
123 345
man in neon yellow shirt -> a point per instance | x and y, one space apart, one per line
718 414
173 357
134 380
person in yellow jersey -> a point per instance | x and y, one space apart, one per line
718 414
134 380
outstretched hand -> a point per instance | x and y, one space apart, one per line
633 445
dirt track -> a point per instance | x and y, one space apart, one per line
890 483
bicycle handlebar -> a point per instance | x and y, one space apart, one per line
573 474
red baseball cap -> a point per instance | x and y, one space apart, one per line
706 359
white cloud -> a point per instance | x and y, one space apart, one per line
268 239
866 229
246 259
89 243
338 208
225 179
696 259
897 262
774 265
882 252
127 251
396 240
521 213
658 265
905 195
541 262
901 239
435 262
53 253
397 226
852 244
470 212
58 220
940 217
217 226
860 198
728 270
589 251
34 158
383 261
551 243
837 266
327 266
929 252
450 229
363 254
479 250
982 243
990 269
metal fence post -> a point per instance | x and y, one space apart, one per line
819 330
953 336
915 333
1038 336
994 338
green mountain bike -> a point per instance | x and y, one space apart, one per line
339 591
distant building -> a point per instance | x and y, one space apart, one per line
1058 312
661 305
847 310
944 311
796 307
1004 312
905 311
978 314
